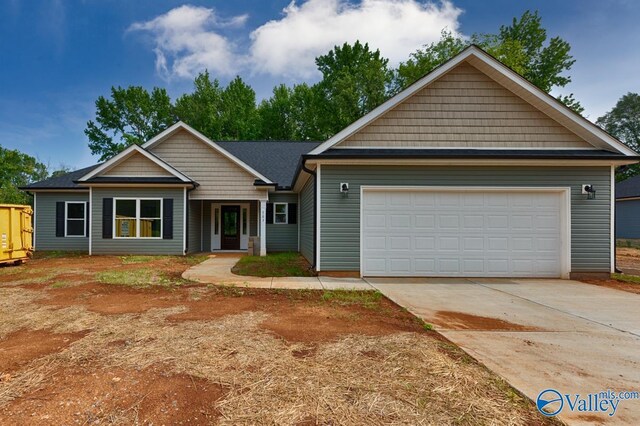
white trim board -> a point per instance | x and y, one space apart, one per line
183 126
133 149
565 213
494 69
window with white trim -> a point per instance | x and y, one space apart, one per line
75 219
280 213
137 218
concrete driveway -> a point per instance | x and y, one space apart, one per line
538 334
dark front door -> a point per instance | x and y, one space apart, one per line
230 228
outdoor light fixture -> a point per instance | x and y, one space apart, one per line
344 188
589 191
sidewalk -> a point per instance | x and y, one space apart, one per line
217 270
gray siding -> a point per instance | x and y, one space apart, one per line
628 219
46 222
340 216
281 237
194 242
306 209
138 246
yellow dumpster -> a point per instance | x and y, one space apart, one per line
16 233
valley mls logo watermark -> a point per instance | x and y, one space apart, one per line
550 402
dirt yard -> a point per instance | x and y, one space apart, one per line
627 261
110 340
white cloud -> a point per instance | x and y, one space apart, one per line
189 39
186 42
288 46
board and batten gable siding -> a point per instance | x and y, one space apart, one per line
340 215
282 237
137 165
464 109
132 245
46 222
219 178
627 219
306 209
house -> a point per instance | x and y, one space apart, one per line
628 208
471 171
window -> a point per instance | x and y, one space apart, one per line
138 218
75 219
280 213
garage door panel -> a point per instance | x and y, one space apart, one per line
439 233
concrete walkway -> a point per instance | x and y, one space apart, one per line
217 270
538 334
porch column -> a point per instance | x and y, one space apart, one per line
263 228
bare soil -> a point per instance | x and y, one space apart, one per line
628 261
75 351
464 321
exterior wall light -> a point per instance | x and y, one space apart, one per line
589 191
344 188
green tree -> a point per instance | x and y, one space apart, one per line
276 115
355 80
202 109
306 112
623 122
131 116
239 114
18 169
522 46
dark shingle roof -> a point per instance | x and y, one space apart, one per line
62 182
277 160
628 188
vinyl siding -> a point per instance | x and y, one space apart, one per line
465 109
306 209
627 219
194 226
138 246
137 165
219 177
340 216
45 222
281 237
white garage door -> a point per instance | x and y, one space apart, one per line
460 233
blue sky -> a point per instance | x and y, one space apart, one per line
58 56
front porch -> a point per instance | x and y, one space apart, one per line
226 225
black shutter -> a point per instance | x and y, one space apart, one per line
60 219
167 218
269 212
86 217
107 218
293 213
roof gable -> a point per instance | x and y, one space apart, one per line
510 81
119 164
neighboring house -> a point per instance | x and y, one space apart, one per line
471 171
628 208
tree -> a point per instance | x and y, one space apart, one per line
238 113
131 116
623 122
18 169
276 115
202 109
355 80
522 46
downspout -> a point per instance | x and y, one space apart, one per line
315 217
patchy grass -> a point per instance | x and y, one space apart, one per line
367 299
57 254
191 259
633 279
289 264
628 243
137 278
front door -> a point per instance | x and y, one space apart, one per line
230 238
